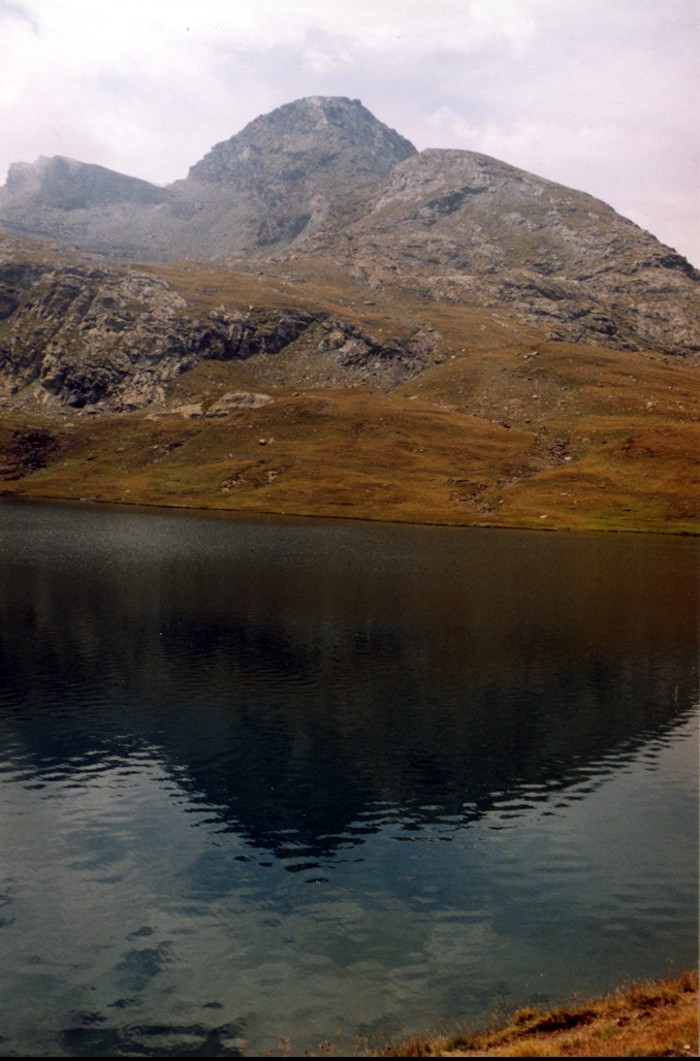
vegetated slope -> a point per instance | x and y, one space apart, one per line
291 391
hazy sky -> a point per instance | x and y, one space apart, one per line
601 95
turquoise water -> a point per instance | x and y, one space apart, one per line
274 781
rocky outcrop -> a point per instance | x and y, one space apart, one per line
234 400
348 348
81 333
83 336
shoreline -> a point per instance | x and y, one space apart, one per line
251 514
650 1018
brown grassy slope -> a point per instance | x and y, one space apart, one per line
318 285
653 1019
504 428
324 453
363 455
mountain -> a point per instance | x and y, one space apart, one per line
323 177
82 205
64 184
266 188
462 227
326 321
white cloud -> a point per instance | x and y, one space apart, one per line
326 57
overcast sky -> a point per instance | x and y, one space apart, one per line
601 95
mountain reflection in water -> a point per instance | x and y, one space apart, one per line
297 686
302 687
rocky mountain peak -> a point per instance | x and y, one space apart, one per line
286 174
316 133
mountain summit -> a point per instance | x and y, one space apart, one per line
320 135
289 172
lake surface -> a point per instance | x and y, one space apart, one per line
269 780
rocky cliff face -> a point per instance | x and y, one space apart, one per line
322 178
81 333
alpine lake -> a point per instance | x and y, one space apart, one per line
268 784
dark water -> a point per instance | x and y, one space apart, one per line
266 780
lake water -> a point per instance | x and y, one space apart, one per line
267 781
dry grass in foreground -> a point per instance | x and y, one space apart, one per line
651 1019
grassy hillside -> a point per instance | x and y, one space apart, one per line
503 429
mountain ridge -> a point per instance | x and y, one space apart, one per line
323 176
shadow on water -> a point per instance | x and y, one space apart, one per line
306 684
90 1039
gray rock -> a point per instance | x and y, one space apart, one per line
88 334
233 400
